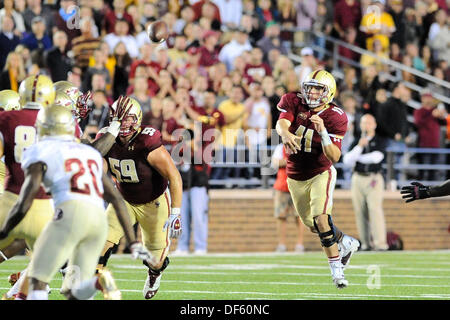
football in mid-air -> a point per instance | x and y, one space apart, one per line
158 31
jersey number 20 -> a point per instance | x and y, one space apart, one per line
80 175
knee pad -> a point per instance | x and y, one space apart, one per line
327 242
103 260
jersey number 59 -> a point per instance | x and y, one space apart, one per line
124 170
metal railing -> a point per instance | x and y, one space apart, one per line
396 66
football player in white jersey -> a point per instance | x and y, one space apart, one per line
73 173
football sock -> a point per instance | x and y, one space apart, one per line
332 260
38 295
21 296
86 289
16 287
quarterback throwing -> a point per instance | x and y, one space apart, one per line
312 128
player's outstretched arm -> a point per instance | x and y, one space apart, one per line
290 141
161 160
418 191
30 187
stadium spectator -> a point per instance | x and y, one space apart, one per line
308 64
178 54
413 25
283 205
215 75
321 25
209 52
377 24
288 19
193 33
268 86
266 12
256 69
13 72
121 71
121 34
234 48
225 86
282 65
395 53
142 37
392 122
83 46
171 121
347 14
428 120
8 10
141 94
35 8
198 9
440 42
74 76
56 59
271 40
377 60
98 117
365 156
87 13
118 13
187 15
98 68
67 21
306 15
166 85
37 39
368 86
199 88
235 117
230 12
397 11
8 40
154 117
412 51
259 123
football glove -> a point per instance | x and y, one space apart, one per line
139 252
82 106
174 223
416 191
123 107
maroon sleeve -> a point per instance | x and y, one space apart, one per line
339 125
286 106
152 139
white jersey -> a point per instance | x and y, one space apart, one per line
74 170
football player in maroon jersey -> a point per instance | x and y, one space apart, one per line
312 128
150 184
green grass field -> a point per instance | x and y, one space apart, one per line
372 275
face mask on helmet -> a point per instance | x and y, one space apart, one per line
132 122
315 94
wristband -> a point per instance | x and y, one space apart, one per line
114 128
175 211
326 141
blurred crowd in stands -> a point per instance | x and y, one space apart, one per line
232 56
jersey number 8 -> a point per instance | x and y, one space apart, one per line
24 137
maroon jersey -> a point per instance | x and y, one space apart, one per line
17 132
136 179
310 160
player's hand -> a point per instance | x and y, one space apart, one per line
291 142
174 225
363 142
123 107
139 252
318 123
82 105
416 191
